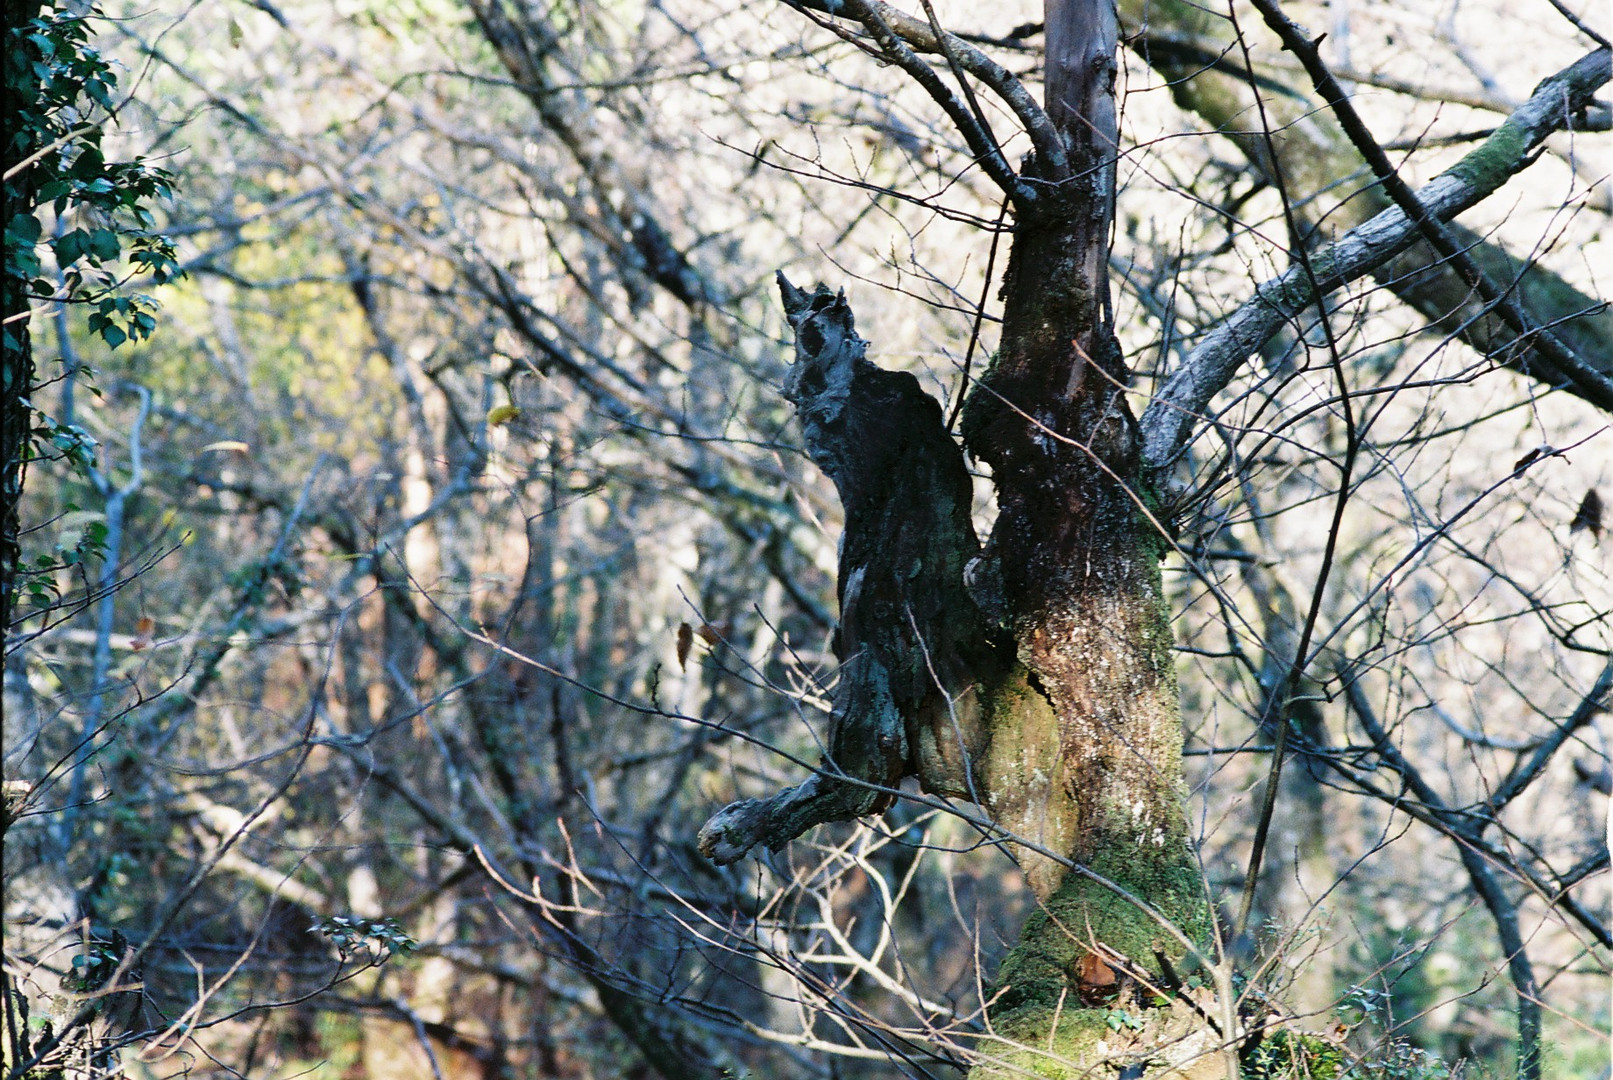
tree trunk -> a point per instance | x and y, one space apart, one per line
1036 676
1085 740
16 352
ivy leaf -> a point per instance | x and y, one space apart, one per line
70 246
90 164
23 228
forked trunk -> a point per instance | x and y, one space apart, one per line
1034 676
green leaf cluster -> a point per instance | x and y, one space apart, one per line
63 95
375 940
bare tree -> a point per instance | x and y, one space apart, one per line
1188 657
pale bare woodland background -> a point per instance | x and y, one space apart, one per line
471 561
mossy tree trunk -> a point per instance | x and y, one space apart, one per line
1034 676
1084 752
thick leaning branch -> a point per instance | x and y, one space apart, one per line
1557 363
1171 418
1312 151
911 643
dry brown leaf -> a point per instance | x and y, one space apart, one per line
685 640
1589 515
1531 457
711 633
1095 979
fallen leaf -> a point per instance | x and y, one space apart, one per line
1095 979
1092 970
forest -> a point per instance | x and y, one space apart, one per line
807 539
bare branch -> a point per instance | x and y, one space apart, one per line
922 37
1594 703
1564 366
1503 911
1170 419
892 47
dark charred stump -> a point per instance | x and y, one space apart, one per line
911 642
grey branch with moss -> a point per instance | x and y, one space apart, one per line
1181 401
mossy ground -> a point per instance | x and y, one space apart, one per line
1294 1054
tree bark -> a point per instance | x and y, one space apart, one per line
1282 132
1084 753
16 350
915 651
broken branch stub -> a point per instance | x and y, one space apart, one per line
911 643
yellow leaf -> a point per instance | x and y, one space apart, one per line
502 414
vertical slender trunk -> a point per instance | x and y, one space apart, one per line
16 350
16 376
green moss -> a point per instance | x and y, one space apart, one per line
1048 1052
1041 968
1157 527
1156 633
1488 167
1024 775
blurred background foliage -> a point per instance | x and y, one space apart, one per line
468 558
